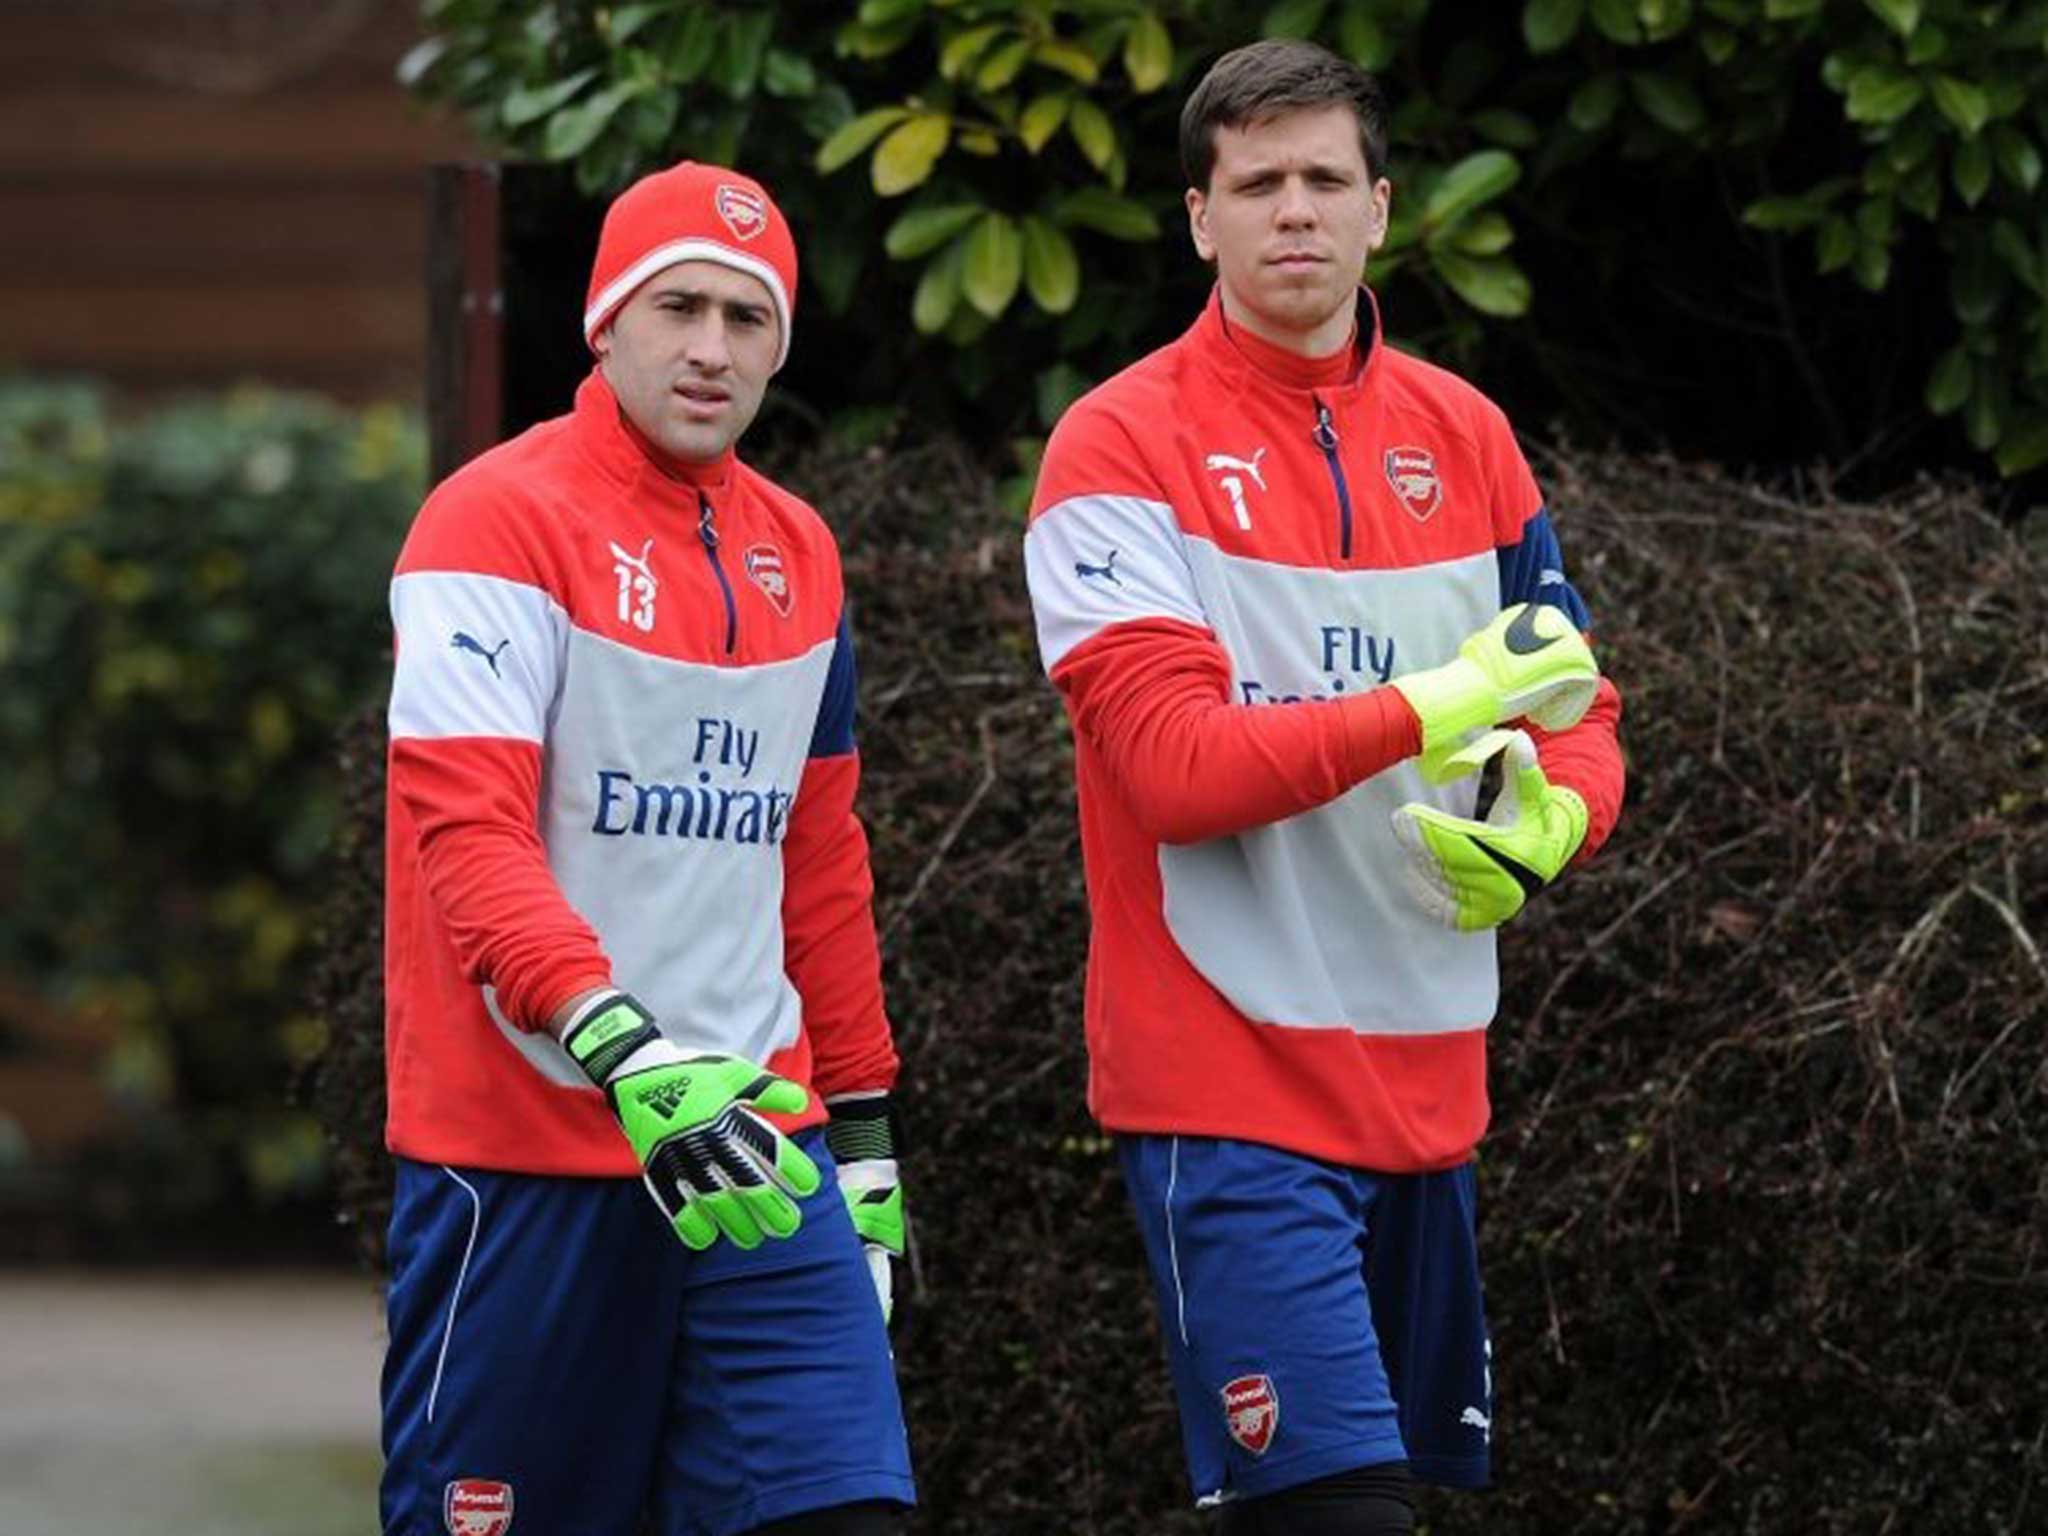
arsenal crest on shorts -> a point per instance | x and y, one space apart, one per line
476 1506
743 212
1251 1409
764 569
1412 474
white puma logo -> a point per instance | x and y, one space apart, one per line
639 564
1222 462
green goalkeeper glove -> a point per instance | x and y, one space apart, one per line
862 1136
1471 874
1531 660
712 1164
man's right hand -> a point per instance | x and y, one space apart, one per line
713 1165
1531 661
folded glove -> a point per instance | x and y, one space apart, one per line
862 1136
1529 661
713 1165
1471 874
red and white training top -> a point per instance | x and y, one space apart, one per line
621 753
1232 550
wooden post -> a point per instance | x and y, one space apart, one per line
465 316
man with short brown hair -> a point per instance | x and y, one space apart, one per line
1291 584
630 951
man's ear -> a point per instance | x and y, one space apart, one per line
1198 224
601 341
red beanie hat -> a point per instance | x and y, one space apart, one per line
692 212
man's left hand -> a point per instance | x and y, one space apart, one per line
1472 875
862 1137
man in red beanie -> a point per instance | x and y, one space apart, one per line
629 940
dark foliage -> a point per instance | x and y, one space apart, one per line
1764 1201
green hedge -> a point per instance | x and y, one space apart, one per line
1005 171
191 600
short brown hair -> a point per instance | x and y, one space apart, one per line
1262 80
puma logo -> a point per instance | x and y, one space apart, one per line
1223 463
1106 570
470 643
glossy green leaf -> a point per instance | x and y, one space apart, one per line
1294 18
1472 181
847 142
1106 213
1485 233
1668 101
575 128
994 265
2018 160
1148 53
1003 64
788 76
1921 192
963 48
2023 446
1872 266
529 104
746 47
905 158
1962 103
1069 59
1971 171
1982 419
625 20
1976 286
1547 25
1361 38
1092 130
923 230
1928 45
1593 104
2020 258
1902 16
1042 119
938 290
1618 21
1052 269
1948 386
1881 95
1835 245
1493 285
1782 213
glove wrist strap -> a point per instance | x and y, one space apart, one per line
862 1127
607 1030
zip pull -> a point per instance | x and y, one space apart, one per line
707 530
1325 433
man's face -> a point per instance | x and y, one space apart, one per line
688 356
1289 216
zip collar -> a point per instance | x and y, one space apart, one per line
626 458
1209 339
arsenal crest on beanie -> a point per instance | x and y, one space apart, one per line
692 212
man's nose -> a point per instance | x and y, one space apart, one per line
709 349
1295 208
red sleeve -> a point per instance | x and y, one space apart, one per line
472 804
1587 758
828 926
1153 698
481 635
